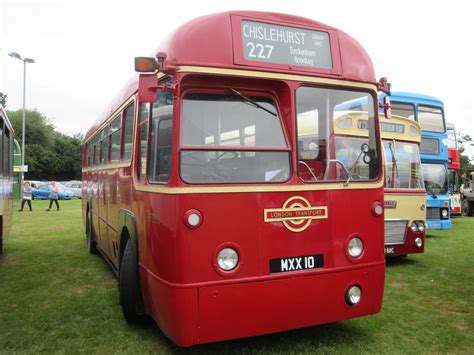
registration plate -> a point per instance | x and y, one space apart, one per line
297 263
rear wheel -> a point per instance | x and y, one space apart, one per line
91 244
129 287
466 207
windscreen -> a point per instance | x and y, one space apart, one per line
402 165
232 138
324 155
436 178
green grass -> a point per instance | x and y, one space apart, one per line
55 297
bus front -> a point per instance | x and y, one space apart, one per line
405 195
429 113
254 224
454 170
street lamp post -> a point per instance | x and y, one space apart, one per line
24 60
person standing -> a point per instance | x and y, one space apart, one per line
53 196
26 196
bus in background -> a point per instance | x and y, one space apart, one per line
429 113
454 160
405 195
6 177
17 188
203 194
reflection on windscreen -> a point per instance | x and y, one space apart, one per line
436 178
323 153
431 119
227 139
402 165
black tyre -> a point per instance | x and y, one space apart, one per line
91 244
129 287
466 207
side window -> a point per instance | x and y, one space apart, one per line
96 150
1 146
115 140
161 134
104 148
90 153
127 132
143 129
6 152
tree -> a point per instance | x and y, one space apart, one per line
50 155
3 99
37 128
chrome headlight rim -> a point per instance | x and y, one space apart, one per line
353 295
239 264
355 247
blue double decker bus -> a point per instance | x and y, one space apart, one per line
429 113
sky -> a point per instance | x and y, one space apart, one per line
84 50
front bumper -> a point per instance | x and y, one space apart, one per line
214 312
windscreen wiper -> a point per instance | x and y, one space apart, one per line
364 150
251 101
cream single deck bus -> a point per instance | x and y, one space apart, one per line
405 195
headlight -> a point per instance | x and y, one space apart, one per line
419 242
355 247
444 213
421 226
414 227
353 295
227 259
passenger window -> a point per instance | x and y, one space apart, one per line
96 150
1 146
115 140
127 132
104 149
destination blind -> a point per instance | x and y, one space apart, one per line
276 44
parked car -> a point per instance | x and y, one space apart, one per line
41 192
75 186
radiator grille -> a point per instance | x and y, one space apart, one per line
433 213
395 232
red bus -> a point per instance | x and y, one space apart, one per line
203 192
454 166
6 177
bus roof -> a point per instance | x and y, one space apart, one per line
354 123
415 98
216 41
191 44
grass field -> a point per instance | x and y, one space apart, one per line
55 297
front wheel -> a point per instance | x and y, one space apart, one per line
466 207
129 286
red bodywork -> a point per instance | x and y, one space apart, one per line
454 159
183 290
454 164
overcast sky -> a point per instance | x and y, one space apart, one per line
84 49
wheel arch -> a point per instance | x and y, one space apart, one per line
127 231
